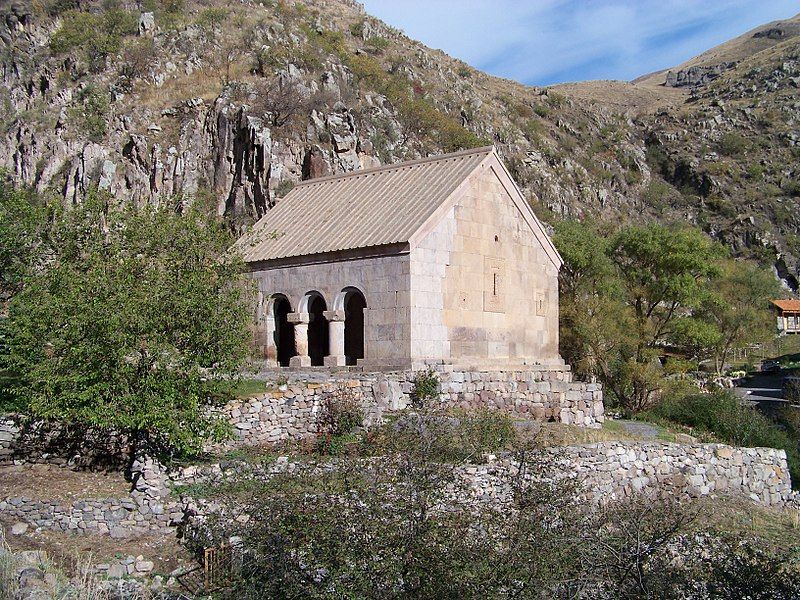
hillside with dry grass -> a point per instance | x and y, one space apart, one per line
234 103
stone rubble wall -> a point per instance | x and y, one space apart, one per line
614 470
38 441
147 507
605 471
610 471
292 411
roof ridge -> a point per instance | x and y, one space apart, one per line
401 165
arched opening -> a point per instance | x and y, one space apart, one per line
284 331
317 331
354 305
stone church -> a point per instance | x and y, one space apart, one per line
434 261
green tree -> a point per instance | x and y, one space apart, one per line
629 295
738 309
22 220
134 325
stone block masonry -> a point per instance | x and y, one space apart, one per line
292 411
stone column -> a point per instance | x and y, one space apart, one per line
301 321
270 347
336 357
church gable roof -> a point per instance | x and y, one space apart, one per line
362 209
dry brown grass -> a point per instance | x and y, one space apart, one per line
48 482
778 527
69 551
559 434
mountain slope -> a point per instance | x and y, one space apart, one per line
237 102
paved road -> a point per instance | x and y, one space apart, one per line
762 388
764 391
643 431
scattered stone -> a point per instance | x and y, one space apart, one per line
144 566
19 528
147 23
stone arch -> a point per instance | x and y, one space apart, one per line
283 336
314 304
352 302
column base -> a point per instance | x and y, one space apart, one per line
335 361
300 361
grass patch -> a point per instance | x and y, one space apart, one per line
247 388
235 486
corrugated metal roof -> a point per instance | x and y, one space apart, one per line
373 207
788 305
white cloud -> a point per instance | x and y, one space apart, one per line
543 41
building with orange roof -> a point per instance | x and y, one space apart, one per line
788 315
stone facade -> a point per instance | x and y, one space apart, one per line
484 291
292 411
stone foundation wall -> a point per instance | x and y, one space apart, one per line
292 411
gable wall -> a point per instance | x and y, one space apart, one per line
458 266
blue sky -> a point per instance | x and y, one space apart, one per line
540 42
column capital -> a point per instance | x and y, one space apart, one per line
334 315
296 317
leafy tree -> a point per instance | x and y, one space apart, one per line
738 308
22 220
629 295
133 324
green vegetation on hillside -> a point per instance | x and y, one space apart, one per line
722 414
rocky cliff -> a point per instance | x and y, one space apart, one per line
183 99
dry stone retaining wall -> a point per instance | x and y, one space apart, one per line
606 471
615 470
37 441
611 471
147 507
292 410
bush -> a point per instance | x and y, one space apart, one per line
95 35
722 414
410 527
212 18
733 144
341 414
92 112
488 431
377 43
426 387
